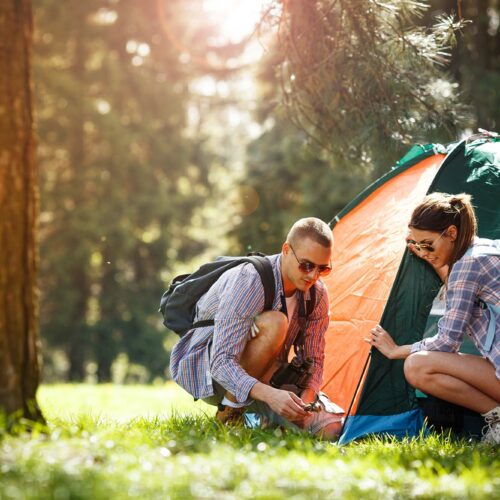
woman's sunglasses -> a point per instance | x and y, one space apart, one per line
428 247
306 267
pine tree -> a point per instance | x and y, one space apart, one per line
363 78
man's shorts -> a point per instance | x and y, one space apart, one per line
218 395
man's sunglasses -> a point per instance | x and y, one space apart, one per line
306 267
424 246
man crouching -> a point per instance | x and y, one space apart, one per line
231 364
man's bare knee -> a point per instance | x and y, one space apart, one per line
263 349
272 325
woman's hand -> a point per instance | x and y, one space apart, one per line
382 340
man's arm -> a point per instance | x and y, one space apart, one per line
241 298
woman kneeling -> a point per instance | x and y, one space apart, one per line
442 231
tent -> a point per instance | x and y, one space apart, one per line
377 280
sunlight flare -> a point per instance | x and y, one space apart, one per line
236 18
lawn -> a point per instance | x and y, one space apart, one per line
107 442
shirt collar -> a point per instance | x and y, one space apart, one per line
276 263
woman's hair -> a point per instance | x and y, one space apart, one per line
438 211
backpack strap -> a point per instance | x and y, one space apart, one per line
266 273
483 246
494 319
265 269
311 303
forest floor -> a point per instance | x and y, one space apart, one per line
107 442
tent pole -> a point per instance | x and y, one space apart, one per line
356 392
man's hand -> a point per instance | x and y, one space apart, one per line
287 404
307 396
284 403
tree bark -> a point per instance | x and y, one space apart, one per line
19 364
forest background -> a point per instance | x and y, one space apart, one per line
172 132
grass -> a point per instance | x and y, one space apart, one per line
117 402
107 442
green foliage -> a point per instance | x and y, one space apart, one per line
342 93
474 59
190 456
121 179
287 175
287 179
361 81
362 78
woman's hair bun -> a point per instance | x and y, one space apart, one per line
459 201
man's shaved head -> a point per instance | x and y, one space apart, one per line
312 228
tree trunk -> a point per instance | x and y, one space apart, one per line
76 360
19 366
77 348
104 370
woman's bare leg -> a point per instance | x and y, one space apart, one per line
463 379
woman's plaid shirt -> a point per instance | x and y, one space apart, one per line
475 276
213 352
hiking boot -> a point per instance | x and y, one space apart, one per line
228 415
491 431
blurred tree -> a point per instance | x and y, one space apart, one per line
121 179
475 60
363 79
19 368
360 81
287 175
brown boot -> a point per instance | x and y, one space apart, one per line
228 415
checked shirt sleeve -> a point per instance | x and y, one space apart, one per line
315 337
242 297
463 286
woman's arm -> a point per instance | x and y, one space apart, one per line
382 340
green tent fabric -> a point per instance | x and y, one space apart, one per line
471 166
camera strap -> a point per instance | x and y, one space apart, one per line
305 308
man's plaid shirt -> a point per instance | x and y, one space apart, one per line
213 352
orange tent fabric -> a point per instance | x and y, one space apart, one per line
368 247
